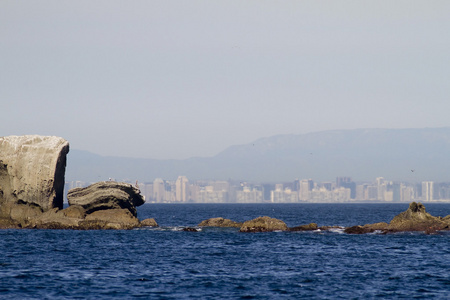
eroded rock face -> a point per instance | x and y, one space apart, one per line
219 222
32 170
263 224
106 195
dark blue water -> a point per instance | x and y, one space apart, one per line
166 263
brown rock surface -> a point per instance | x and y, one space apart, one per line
150 222
219 222
415 218
110 219
263 224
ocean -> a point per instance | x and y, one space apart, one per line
221 263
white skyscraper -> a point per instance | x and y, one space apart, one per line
181 189
427 190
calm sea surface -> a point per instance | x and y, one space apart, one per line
216 263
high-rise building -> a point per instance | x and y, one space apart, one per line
381 186
182 189
159 190
427 190
342 180
306 186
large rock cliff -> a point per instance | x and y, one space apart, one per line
32 170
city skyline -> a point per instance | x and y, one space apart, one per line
342 190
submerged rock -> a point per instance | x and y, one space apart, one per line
32 169
106 195
308 227
358 229
219 222
190 229
263 224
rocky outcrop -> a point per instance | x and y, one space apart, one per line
415 218
219 222
263 224
32 170
106 195
308 227
150 222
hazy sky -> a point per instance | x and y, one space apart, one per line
176 79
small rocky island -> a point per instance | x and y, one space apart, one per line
32 172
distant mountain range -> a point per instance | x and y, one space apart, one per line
363 154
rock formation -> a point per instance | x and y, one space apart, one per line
415 218
219 222
32 170
106 195
263 224
150 222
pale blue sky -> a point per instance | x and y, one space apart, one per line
176 79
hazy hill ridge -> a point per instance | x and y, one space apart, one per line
361 153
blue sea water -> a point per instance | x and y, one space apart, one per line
221 263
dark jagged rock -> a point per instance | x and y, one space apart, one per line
358 229
190 229
263 224
32 169
308 227
106 195
219 222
